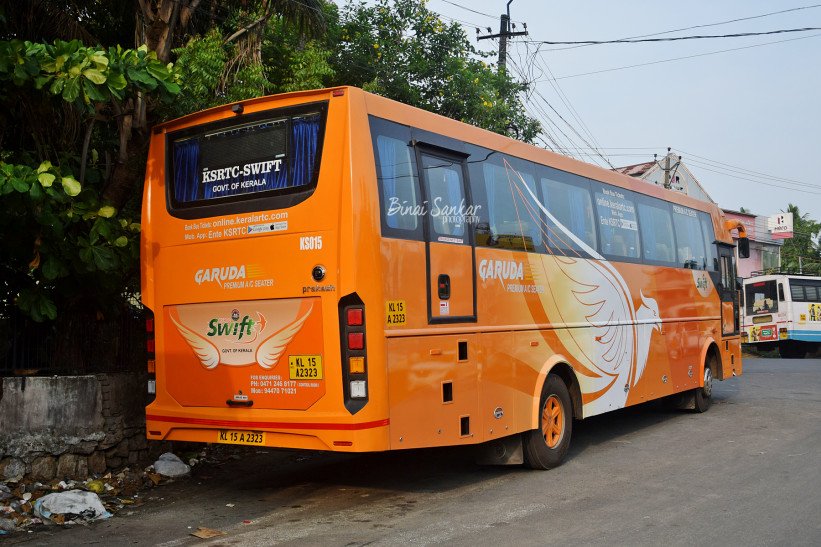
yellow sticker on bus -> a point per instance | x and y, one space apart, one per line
395 313
305 367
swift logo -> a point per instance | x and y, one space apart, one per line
218 275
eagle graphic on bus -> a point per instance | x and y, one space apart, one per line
612 349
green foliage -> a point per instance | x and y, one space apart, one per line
84 75
403 51
803 244
69 249
201 64
215 72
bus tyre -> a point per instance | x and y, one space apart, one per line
546 447
704 395
791 349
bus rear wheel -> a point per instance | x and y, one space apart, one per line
546 447
791 349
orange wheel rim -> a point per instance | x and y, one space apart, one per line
553 421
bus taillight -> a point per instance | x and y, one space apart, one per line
151 363
353 352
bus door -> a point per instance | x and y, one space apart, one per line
451 272
727 291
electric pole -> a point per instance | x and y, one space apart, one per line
504 34
669 171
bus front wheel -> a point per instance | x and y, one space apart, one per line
704 395
547 446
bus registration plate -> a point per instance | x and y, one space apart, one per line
305 367
230 436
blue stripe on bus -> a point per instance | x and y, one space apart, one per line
806 335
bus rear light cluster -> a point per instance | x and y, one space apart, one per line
151 363
353 352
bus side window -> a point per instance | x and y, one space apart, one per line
656 228
399 195
572 206
691 252
711 258
618 223
780 292
514 218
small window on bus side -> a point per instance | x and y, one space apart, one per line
656 232
399 193
572 207
690 251
709 240
514 217
618 226
446 198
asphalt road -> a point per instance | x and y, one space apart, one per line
748 472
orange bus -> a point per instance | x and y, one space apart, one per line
333 270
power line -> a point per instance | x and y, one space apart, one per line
705 25
768 184
545 115
675 38
473 10
744 170
566 100
683 58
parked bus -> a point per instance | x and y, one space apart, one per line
782 310
334 270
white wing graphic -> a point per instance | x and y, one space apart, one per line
272 347
206 352
603 334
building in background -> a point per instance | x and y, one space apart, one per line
671 172
765 252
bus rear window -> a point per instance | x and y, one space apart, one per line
761 298
266 154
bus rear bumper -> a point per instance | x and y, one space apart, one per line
338 435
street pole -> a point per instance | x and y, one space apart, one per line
504 34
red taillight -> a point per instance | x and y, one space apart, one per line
149 353
338 92
356 340
353 353
355 317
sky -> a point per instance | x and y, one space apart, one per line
747 123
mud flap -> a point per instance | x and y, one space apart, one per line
504 451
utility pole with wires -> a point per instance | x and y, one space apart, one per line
669 171
504 33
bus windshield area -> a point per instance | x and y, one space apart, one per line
761 297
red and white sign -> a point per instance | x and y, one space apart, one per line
780 225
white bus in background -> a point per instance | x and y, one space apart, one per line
783 311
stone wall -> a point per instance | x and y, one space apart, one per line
72 426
